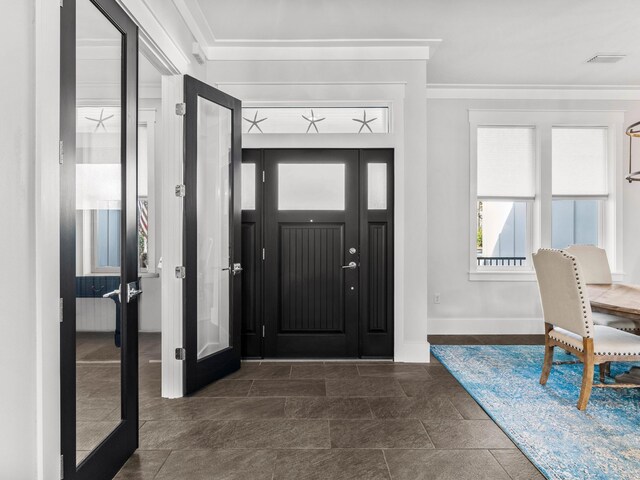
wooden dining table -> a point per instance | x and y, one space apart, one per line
621 300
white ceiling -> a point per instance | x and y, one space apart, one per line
537 42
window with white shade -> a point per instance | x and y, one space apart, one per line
542 179
505 191
580 187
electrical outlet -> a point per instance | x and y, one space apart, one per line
436 298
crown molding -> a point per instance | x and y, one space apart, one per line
155 42
533 92
318 50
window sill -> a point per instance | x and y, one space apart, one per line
502 276
514 276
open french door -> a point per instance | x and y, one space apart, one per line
212 225
98 239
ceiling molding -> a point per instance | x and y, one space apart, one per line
533 92
318 50
155 42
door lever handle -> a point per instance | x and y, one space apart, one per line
351 266
132 291
235 269
112 294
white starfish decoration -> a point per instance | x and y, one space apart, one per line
312 122
100 121
255 122
364 121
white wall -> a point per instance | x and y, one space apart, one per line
29 358
482 306
403 84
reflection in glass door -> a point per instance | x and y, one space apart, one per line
213 190
99 244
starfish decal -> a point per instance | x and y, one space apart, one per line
100 121
312 122
255 122
364 121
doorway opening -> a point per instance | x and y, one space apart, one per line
317 252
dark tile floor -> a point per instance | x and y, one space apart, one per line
325 420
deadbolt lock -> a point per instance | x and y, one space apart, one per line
352 251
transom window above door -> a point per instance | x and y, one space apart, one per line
315 120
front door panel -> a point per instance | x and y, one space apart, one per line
311 258
212 234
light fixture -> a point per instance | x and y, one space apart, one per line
632 131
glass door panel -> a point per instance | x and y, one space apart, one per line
213 189
212 222
98 241
98 220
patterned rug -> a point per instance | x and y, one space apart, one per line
601 443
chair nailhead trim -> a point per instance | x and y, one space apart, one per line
585 315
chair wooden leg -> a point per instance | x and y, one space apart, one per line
548 356
587 374
602 369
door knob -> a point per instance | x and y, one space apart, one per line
351 266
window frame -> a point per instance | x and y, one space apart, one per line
539 214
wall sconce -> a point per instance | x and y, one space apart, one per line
632 131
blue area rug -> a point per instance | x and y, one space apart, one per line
602 442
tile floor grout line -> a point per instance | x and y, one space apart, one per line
386 463
163 463
499 463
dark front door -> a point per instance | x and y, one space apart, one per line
317 253
98 239
212 289
311 253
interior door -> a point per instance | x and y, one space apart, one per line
98 239
312 253
212 222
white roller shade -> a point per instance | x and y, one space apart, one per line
506 162
579 157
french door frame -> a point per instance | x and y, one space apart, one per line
199 373
109 456
375 314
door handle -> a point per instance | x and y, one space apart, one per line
236 269
132 291
113 293
351 266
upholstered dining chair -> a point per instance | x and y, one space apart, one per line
594 265
569 323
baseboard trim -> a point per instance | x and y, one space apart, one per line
485 326
412 352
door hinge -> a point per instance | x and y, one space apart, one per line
61 151
61 310
181 353
181 190
263 176
61 467
264 254
181 272
181 108
263 332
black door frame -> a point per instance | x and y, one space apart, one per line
109 456
376 258
199 373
